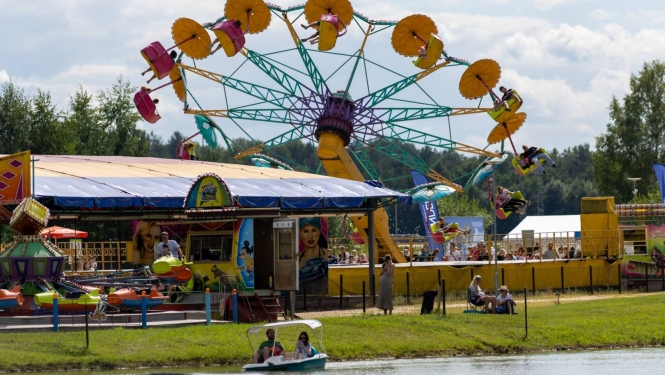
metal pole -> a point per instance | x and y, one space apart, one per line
496 250
370 248
408 289
234 306
363 296
619 268
87 332
526 320
207 304
56 320
443 296
341 291
144 310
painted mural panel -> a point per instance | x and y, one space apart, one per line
244 247
313 252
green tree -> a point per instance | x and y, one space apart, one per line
119 118
634 136
84 121
49 135
14 119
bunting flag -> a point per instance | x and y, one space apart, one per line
430 213
14 178
660 176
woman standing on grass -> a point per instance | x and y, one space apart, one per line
385 301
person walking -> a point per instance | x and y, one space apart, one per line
385 301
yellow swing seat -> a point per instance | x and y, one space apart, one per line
500 115
329 31
501 214
434 49
440 236
523 171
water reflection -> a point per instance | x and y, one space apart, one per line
619 362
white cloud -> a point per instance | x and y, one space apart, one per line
547 4
602 14
566 67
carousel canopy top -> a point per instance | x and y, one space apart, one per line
118 182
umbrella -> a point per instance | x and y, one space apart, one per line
265 161
484 170
254 11
505 129
314 9
178 83
479 79
192 38
207 129
60 232
430 192
410 33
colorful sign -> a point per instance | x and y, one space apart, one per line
429 211
208 191
655 237
244 238
313 250
14 178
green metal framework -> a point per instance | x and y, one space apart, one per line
300 105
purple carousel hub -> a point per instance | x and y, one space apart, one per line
337 117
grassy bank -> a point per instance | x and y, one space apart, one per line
611 322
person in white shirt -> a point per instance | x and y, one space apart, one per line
453 255
504 301
167 247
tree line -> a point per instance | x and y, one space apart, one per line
105 123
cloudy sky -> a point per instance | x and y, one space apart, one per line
567 58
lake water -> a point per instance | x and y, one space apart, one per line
606 362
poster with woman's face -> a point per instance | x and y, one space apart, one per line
146 235
313 248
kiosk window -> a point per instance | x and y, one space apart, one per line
211 248
285 243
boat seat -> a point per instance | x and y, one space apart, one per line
74 295
230 37
159 60
434 48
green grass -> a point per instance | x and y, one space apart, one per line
613 322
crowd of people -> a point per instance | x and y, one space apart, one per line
342 256
480 252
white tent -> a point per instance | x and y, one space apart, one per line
548 226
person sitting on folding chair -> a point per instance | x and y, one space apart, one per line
478 297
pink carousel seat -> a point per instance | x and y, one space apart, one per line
147 109
230 37
159 60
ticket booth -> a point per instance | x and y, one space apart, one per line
285 234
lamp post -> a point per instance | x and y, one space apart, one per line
494 163
634 180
